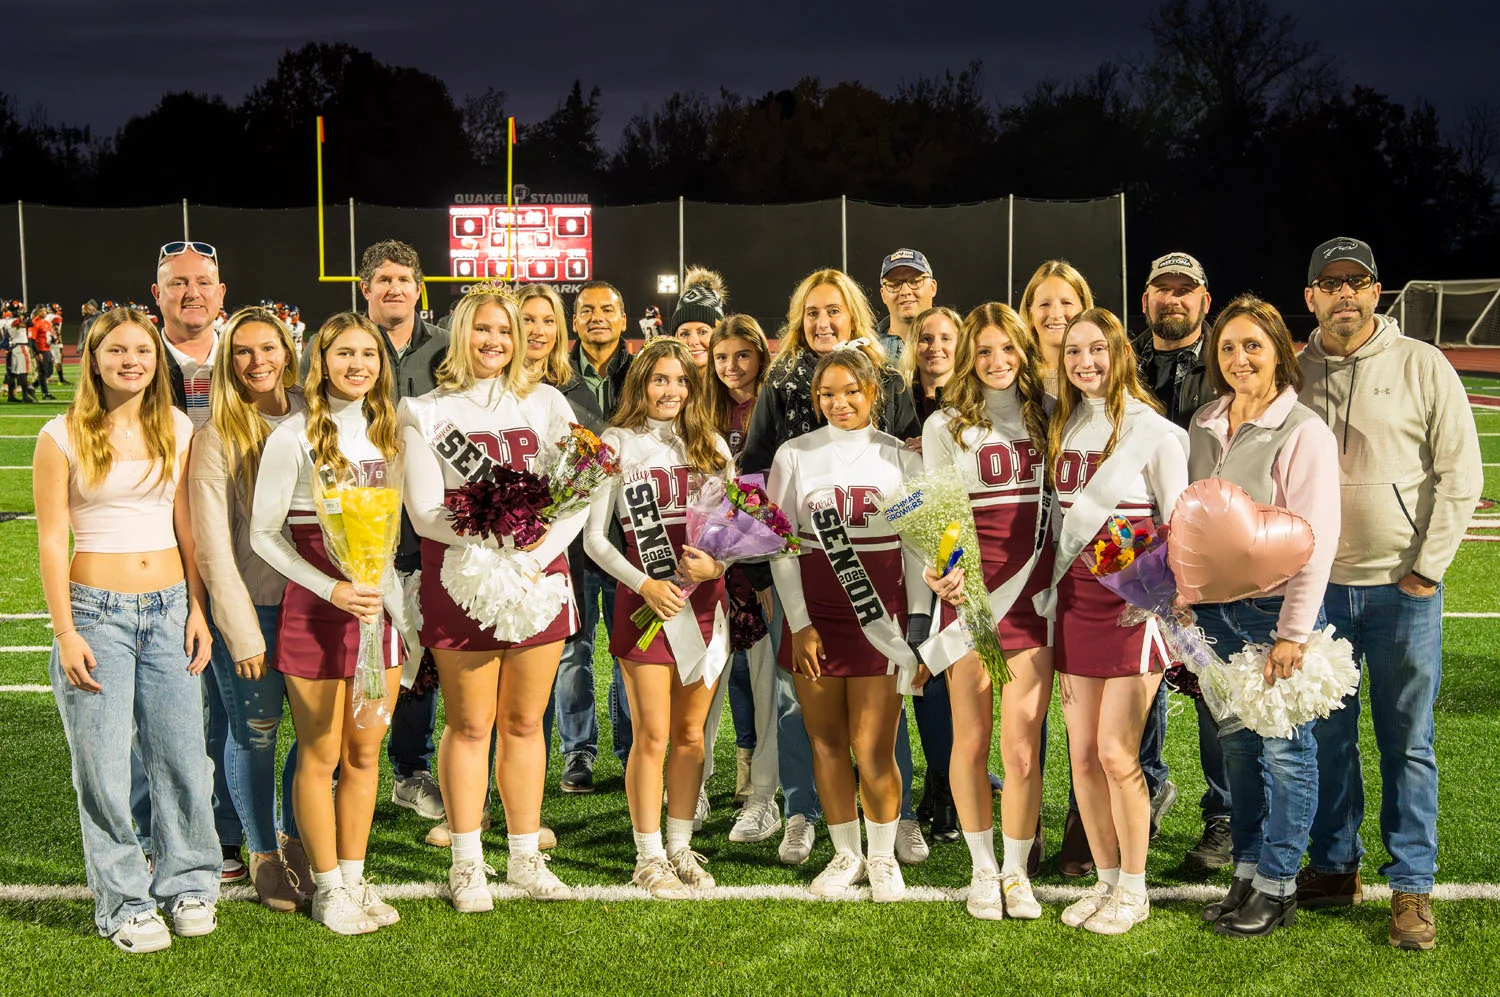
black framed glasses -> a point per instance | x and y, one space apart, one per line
913 283
178 248
1331 285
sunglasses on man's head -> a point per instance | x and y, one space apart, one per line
178 248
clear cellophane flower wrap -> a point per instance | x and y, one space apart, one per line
359 509
927 507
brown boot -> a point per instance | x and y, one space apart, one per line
442 837
1328 889
742 790
1412 925
272 884
546 839
298 866
1074 858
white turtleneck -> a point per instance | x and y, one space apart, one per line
981 468
518 432
1154 491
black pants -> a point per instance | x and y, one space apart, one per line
43 371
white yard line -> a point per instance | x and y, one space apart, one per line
25 648
1471 616
25 688
12 617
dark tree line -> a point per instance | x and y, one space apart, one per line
1233 136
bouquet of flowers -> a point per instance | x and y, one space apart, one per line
1315 690
932 515
359 509
730 521
505 589
1133 565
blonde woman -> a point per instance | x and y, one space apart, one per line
487 402
130 637
927 360
349 419
253 390
1054 295
544 322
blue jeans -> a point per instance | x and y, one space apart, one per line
1217 800
1400 639
1273 781
934 726
137 642
741 701
573 692
412 723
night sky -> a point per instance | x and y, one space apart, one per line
98 62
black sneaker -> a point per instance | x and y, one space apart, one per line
578 773
1166 796
1214 850
944 812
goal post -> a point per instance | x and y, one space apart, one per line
1450 312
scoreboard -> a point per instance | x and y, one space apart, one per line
544 242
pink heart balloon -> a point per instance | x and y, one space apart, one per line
1224 545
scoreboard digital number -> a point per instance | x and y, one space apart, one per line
544 242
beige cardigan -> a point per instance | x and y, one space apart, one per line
236 578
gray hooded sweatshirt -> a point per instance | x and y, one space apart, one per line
1409 460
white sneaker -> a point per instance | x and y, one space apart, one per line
419 792
911 847
758 821
468 889
886 884
146 932
702 810
192 917
376 909
656 877
1020 902
797 840
838 876
984 896
1120 912
1081 910
688 865
530 875
335 908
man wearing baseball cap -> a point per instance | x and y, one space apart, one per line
907 287
1410 468
1170 363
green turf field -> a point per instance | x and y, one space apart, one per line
739 946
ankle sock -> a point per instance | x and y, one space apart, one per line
353 870
1135 882
679 834
648 845
845 838
982 849
1016 852
467 846
882 838
524 844
1108 877
331 880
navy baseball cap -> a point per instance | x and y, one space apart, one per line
905 258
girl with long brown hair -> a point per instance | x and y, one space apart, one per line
1054 296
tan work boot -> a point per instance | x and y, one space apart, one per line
272 883
742 775
1412 924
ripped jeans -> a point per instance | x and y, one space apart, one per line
249 764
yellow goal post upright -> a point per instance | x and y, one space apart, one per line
324 277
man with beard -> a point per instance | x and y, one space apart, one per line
908 288
1170 364
1410 468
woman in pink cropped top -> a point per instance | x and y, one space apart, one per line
131 635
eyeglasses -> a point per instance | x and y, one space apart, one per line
178 248
1331 285
911 283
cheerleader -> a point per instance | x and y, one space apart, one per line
486 400
846 601
253 390
741 357
349 419
1054 295
699 311
663 439
994 430
1113 453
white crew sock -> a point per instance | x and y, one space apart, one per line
1135 882
1108 877
845 838
648 845
882 838
522 845
353 870
679 834
1017 851
467 847
331 880
982 850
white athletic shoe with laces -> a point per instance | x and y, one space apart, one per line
886 884
838 876
336 909
688 865
911 847
376 909
469 889
701 810
1020 902
984 896
656 877
1120 912
192 917
145 932
530 875
758 821
1081 910
797 840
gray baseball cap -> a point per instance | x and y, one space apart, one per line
1341 248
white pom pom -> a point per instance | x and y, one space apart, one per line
1327 675
411 589
504 591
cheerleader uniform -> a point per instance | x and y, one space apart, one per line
314 639
1090 642
655 457
1005 479
856 469
516 432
